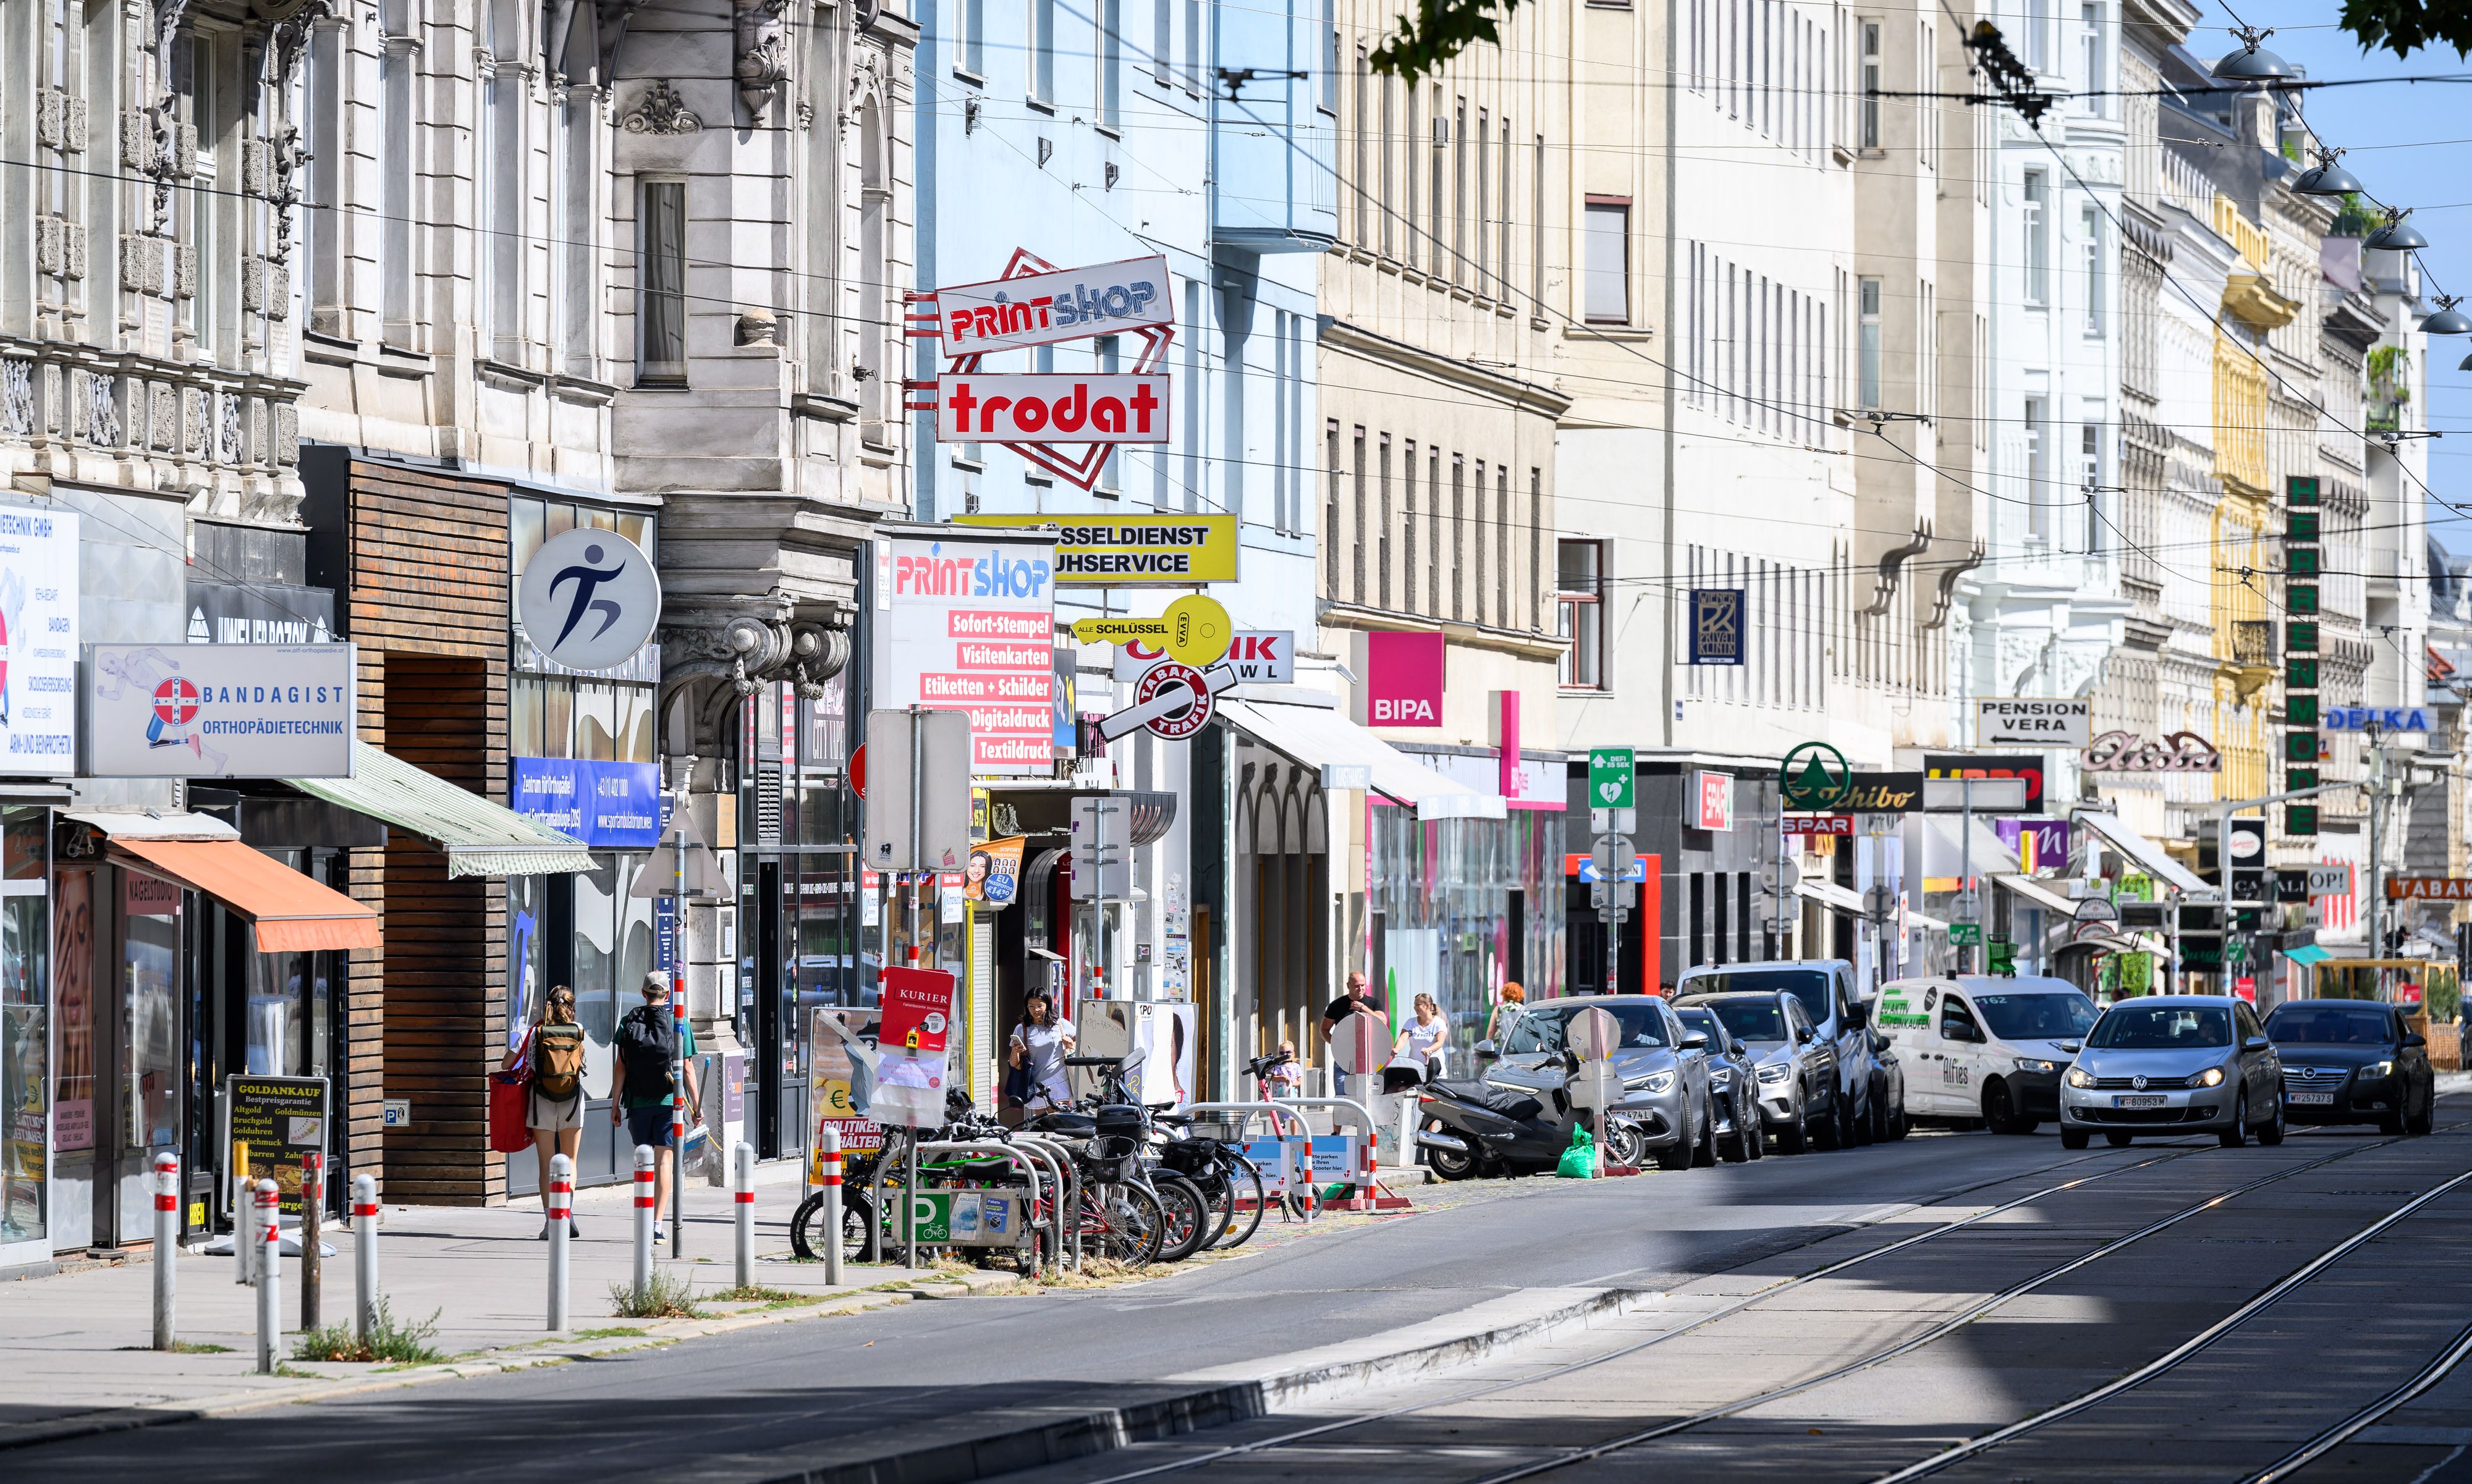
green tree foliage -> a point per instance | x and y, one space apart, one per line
2403 27
1439 31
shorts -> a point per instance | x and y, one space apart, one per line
649 1126
547 1114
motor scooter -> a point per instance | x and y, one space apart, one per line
1477 1128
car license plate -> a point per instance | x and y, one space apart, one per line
2313 1098
2138 1100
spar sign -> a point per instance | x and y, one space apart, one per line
1066 423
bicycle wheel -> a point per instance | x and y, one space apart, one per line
1187 1213
807 1237
1126 1223
1221 1190
1244 1204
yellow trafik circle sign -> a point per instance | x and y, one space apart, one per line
1199 630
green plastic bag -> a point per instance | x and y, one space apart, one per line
1580 1161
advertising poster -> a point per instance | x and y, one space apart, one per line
911 1045
994 875
38 640
1167 1072
840 1078
607 806
220 710
969 626
280 1118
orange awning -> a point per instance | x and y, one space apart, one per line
293 914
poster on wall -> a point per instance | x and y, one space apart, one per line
607 806
911 1047
38 640
969 626
278 1120
220 710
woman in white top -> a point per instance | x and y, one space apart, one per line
1423 1037
1040 1043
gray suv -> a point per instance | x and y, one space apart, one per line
1840 1019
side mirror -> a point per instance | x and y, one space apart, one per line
2413 1038
2255 1043
1697 1041
1858 1015
1487 1052
1806 1035
2073 1048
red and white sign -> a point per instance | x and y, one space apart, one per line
1820 824
1168 676
1042 309
1712 801
968 624
1050 407
1403 679
1262 658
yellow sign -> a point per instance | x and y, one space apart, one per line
1197 629
1133 551
1121 631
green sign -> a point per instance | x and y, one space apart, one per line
1814 776
1965 934
1613 776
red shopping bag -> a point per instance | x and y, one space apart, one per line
511 1105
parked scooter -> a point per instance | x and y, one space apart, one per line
1477 1128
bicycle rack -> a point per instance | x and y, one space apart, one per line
1067 1183
990 1149
1373 1196
1276 1110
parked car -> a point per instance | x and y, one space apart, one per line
1986 1047
1888 1117
2353 1061
1794 1072
1733 1086
1826 987
1664 1070
2172 1065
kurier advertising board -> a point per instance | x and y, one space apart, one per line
219 710
968 624
38 640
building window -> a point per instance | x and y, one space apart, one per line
1537 228
1042 51
1360 185
1356 589
1163 42
1390 122
971 37
1460 194
1382 531
661 284
1579 599
2090 38
1437 192
1330 511
323 217
1483 282
1459 536
398 66
1536 547
1330 57
2090 480
2036 223
1434 532
1408 528
1868 113
2090 226
2038 473
1868 369
1607 294
1112 64
2038 35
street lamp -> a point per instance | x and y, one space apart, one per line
2448 319
2254 64
2326 178
2396 234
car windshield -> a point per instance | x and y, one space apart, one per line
1540 1029
1808 985
2162 1027
2037 1017
2330 1024
1752 1020
1700 1020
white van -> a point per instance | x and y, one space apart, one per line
1975 1046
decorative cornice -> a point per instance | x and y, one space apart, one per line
1519 392
661 112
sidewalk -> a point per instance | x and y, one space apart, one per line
482 1271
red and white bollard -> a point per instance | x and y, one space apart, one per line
166 1242
742 1169
270 1279
828 1151
1313 1182
647 1198
365 1257
559 1208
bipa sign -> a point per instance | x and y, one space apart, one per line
1262 658
1403 680
1042 309
1039 407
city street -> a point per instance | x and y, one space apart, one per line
1970 1282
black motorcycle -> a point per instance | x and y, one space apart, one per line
1477 1128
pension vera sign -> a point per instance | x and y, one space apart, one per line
1133 551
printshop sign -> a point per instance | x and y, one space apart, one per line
1043 309
219 710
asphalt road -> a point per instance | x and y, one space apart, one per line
780 1386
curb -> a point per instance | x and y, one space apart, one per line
552 1351
998 1441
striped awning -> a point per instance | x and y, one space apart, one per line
480 837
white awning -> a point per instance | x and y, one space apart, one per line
1830 895
1945 853
149 825
1320 736
2043 894
2148 854
1925 920
480 837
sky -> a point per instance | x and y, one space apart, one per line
2411 145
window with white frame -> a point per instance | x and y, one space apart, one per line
1110 102
661 283
970 37
1868 110
1042 52
2090 482
1867 371
2038 471
2034 223
2038 35
2090 247
1580 608
1607 294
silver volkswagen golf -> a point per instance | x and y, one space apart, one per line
2172 1065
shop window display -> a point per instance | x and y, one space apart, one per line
26 1027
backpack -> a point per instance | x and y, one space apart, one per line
558 1060
647 1044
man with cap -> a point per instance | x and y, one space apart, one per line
655 1056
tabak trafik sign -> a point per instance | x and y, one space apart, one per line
1067 423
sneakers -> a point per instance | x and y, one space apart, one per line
572 1230
660 1233
544 1232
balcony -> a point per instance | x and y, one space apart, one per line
2252 664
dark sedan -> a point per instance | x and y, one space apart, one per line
2352 1061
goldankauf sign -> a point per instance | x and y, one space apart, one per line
219 710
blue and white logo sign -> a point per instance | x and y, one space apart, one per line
1717 626
588 599
2376 719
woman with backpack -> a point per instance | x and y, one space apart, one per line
553 1051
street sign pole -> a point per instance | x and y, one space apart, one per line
1965 869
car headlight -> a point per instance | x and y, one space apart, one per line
1657 1082
2212 1076
1723 1076
2376 1069
2032 1064
1775 1072
2079 1076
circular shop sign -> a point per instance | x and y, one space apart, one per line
1180 725
589 600
1199 629
1815 776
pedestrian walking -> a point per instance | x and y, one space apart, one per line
1422 1039
1509 1002
1357 999
654 1060
1040 1043
552 1053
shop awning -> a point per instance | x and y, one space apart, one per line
2307 954
1320 736
480 837
2044 894
1830 895
2148 854
293 914
1945 856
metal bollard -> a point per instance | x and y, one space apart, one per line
646 1192
270 1279
742 1169
166 1242
244 1209
365 1257
561 1210
829 1151
313 1270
